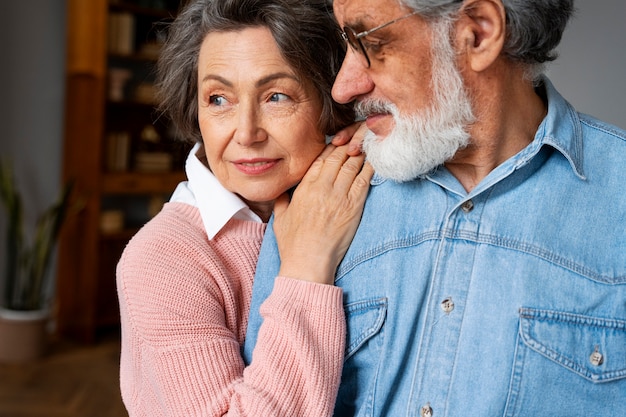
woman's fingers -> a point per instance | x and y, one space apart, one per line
316 167
334 164
361 185
334 168
350 169
315 228
352 135
344 135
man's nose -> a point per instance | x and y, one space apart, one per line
352 80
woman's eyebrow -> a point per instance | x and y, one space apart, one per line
261 82
216 78
276 76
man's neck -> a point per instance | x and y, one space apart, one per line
508 113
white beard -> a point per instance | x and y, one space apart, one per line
421 142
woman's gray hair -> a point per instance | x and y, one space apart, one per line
533 27
304 30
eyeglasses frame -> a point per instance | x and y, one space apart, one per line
356 44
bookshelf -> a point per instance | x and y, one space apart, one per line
123 158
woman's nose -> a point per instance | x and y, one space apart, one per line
249 129
352 80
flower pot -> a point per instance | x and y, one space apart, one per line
23 335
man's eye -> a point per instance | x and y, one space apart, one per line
371 46
217 100
279 97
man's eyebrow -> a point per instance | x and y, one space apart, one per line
361 23
358 26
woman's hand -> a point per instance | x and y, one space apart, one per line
353 136
315 229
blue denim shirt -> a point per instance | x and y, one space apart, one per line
507 301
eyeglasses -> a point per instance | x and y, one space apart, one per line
354 39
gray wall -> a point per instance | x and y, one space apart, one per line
589 73
591 68
31 108
31 100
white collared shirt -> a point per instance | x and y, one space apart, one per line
202 189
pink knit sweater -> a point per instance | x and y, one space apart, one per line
184 303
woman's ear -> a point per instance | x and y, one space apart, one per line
480 33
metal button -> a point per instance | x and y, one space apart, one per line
447 305
596 358
467 206
426 411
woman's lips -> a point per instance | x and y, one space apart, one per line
255 166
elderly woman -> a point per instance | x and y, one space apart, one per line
248 81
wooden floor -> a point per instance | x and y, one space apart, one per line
70 381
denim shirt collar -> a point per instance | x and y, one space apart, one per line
560 130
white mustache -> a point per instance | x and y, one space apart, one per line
367 107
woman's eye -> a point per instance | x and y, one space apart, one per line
217 100
279 97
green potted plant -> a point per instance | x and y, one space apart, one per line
24 308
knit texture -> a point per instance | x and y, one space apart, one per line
184 304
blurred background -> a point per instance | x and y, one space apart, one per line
77 100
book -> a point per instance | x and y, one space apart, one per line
121 35
117 151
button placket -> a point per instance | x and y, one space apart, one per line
426 410
442 329
447 305
467 206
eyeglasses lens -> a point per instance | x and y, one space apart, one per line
355 43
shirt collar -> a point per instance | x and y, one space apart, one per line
561 129
216 204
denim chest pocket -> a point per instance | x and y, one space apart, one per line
365 320
567 363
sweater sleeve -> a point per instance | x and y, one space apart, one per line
298 358
183 316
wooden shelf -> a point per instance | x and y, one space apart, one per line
135 57
121 236
141 183
88 254
156 13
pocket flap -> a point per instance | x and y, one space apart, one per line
364 319
592 347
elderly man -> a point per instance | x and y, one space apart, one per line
488 275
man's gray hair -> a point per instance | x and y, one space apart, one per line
533 27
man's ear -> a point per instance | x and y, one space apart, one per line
480 33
